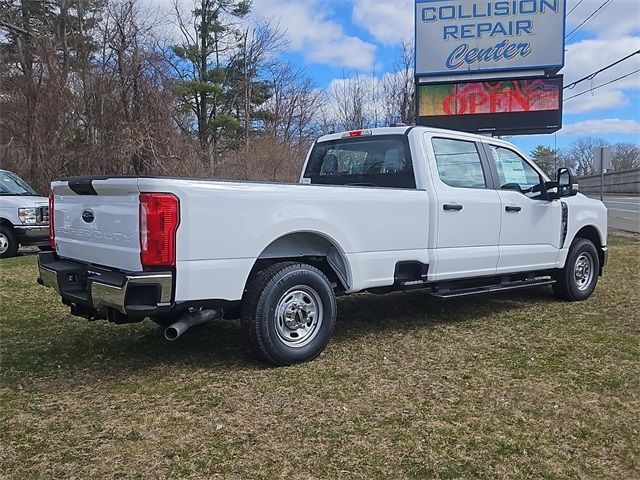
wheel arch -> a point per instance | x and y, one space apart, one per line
315 248
5 223
591 233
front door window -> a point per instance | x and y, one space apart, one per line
515 173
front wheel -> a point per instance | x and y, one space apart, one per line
578 279
8 242
289 313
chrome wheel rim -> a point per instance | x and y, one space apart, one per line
298 316
4 243
583 271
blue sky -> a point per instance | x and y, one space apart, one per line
337 38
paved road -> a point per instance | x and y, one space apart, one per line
624 212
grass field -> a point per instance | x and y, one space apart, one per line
512 386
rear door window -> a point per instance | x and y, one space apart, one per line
380 161
459 163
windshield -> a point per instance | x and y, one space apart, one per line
11 184
379 161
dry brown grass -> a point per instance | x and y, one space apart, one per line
512 386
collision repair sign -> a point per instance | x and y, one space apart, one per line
471 36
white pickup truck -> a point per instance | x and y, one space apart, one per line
375 211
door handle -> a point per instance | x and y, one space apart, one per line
452 207
513 208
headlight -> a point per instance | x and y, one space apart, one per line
27 215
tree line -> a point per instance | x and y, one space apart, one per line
98 87
109 87
579 156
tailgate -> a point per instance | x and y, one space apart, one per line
97 221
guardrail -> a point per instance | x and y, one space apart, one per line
617 182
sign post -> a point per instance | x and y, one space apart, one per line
602 158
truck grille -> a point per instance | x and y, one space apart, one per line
42 214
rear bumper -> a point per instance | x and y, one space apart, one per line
32 235
96 292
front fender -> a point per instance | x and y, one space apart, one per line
584 215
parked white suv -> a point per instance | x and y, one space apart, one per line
376 210
24 215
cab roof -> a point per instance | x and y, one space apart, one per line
403 130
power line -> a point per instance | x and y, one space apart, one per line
607 2
593 75
574 7
603 85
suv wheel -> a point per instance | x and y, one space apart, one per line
289 313
578 279
8 242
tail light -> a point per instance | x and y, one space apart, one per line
358 133
52 231
159 220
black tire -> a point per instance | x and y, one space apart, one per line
11 246
568 286
298 289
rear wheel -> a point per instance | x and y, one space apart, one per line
578 279
289 313
8 242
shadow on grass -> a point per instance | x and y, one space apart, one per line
364 314
108 350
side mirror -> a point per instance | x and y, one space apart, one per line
567 183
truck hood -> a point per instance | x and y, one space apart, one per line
18 201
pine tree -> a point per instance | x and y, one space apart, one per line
546 158
203 68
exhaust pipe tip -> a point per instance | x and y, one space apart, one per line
171 334
175 331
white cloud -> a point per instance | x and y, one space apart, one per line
602 127
320 39
618 19
306 25
589 56
389 22
598 100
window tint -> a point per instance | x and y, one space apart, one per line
515 173
459 163
382 161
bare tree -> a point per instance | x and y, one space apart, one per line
258 46
43 45
348 100
626 156
580 154
398 88
128 91
289 116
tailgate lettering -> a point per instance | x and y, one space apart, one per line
97 234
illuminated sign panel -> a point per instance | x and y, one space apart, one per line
471 36
503 96
500 106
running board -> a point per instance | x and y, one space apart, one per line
468 292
